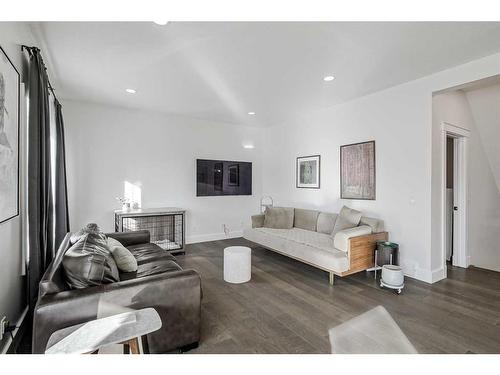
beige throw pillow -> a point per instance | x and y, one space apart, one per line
124 259
348 218
279 217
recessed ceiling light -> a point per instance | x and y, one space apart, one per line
328 78
251 113
161 23
248 146
130 91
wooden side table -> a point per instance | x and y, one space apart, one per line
126 328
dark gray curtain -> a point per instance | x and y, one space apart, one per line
47 203
39 185
61 216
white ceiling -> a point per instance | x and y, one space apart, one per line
221 71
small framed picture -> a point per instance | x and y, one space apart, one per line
308 171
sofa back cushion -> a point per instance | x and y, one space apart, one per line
326 222
89 262
377 225
279 217
305 219
348 218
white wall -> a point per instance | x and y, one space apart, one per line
451 107
399 119
389 118
484 104
484 179
108 145
12 285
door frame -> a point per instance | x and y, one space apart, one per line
460 186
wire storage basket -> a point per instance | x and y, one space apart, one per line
165 228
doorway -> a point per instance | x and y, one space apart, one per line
450 207
454 142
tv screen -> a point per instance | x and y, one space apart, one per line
222 177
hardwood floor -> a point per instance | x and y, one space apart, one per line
288 306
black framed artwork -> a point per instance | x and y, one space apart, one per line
308 172
9 138
357 171
223 177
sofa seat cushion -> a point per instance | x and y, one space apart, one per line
151 268
147 252
313 248
302 236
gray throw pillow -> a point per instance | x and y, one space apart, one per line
348 218
124 259
88 262
279 217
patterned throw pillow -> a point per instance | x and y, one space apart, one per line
88 262
89 228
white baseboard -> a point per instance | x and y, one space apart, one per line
438 274
213 236
425 275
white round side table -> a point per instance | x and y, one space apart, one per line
237 264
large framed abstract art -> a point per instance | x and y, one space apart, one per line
308 172
9 138
357 171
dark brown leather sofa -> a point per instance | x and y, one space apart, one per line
159 283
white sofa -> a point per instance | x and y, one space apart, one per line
310 241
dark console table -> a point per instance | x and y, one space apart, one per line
166 225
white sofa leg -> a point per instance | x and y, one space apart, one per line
332 278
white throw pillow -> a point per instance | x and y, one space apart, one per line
124 259
348 218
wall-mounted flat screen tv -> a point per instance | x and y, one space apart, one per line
222 177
